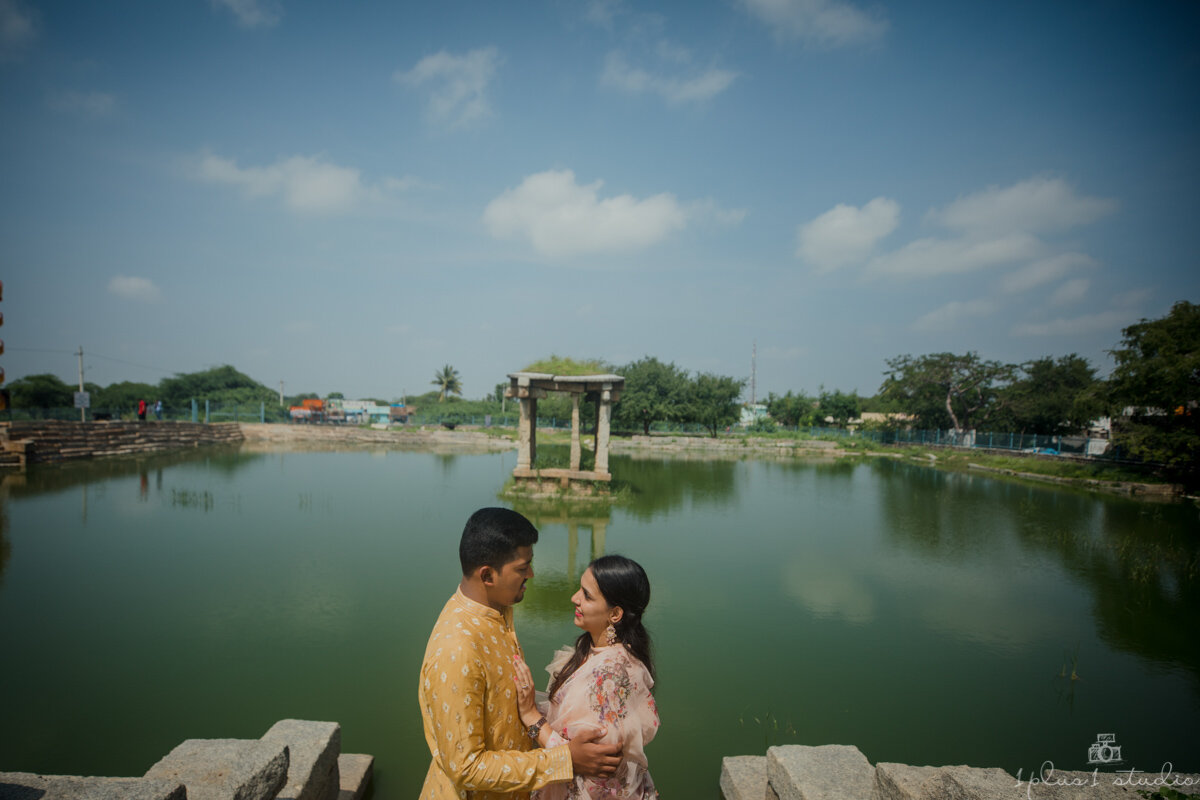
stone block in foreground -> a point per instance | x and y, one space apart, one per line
355 774
27 786
904 782
744 778
226 769
313 749
825 772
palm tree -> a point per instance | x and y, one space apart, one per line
447 380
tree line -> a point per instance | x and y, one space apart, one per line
1153 394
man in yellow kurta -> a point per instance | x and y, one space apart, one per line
467 692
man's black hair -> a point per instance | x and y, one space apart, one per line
491 538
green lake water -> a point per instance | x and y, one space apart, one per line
925 617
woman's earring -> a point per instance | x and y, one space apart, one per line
610 634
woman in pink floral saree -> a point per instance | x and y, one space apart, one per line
602 683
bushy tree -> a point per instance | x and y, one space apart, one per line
1157 382
792 410
947 389
124 395
1054 397
222 384
41 391
712 401
654 392
842 406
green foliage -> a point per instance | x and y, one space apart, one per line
841 406
946 389
447 381
339 396
561 365
1158 378
712 401
654 392
792 410
41 391
124 395
763 425
1054 397
224 385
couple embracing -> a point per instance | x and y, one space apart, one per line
487 733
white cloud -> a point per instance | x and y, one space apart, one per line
304 183
561 218
954 312
1070 292
91 104
821 23
1044 271
845 234
619 74
132 288
1031 206
1089 323
17 30
457 85
253 13
929 258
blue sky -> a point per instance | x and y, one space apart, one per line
346 196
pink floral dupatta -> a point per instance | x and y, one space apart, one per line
610 690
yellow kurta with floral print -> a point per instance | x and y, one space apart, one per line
469 709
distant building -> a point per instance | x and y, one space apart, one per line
751 412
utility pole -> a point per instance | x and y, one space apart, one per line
82 410
754 373
281 393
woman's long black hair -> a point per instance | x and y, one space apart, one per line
623 583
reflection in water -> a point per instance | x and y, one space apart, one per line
1141 567
42 478
5 544
661 484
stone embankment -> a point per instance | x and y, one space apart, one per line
1153 490
294 760
286 436
688 445
842 772
34 441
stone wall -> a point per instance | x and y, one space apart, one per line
294 760
842 772
34 441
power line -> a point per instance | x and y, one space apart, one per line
92 354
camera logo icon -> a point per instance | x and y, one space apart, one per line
1104 750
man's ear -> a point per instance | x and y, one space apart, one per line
487 575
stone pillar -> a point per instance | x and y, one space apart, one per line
576 451
602 422
524 440
533 432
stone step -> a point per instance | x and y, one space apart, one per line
745 778
825 772
226 769
27 786
313 749
904 782
355 770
